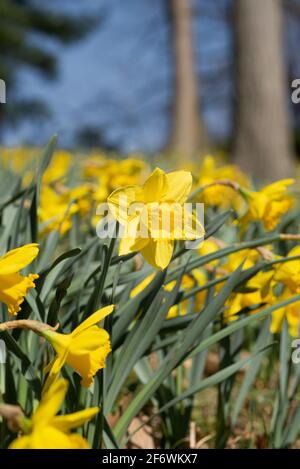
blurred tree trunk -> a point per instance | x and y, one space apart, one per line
188 134
262 143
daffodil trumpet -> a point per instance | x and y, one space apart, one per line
84 349
13 285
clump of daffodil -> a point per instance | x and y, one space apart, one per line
58 205
46 430
85 349
153 217
220 195
58 202
189 281
55 211
257 291
268 205
110 174
13 285
19 158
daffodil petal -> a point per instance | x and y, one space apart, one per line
120 200
193 229
14 288
65 423
51 402
88 353
50 438
156 186
277 318
57 365
158 253
128 245
93 319
23 442
130 238
278 187
179 186
17 259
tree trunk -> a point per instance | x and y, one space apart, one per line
262 143
188 135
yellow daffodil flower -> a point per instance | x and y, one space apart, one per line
218 195
159 200
55 211
260 292
46 430
59 204
13 285
85 349
268 205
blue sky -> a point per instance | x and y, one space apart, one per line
119 78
